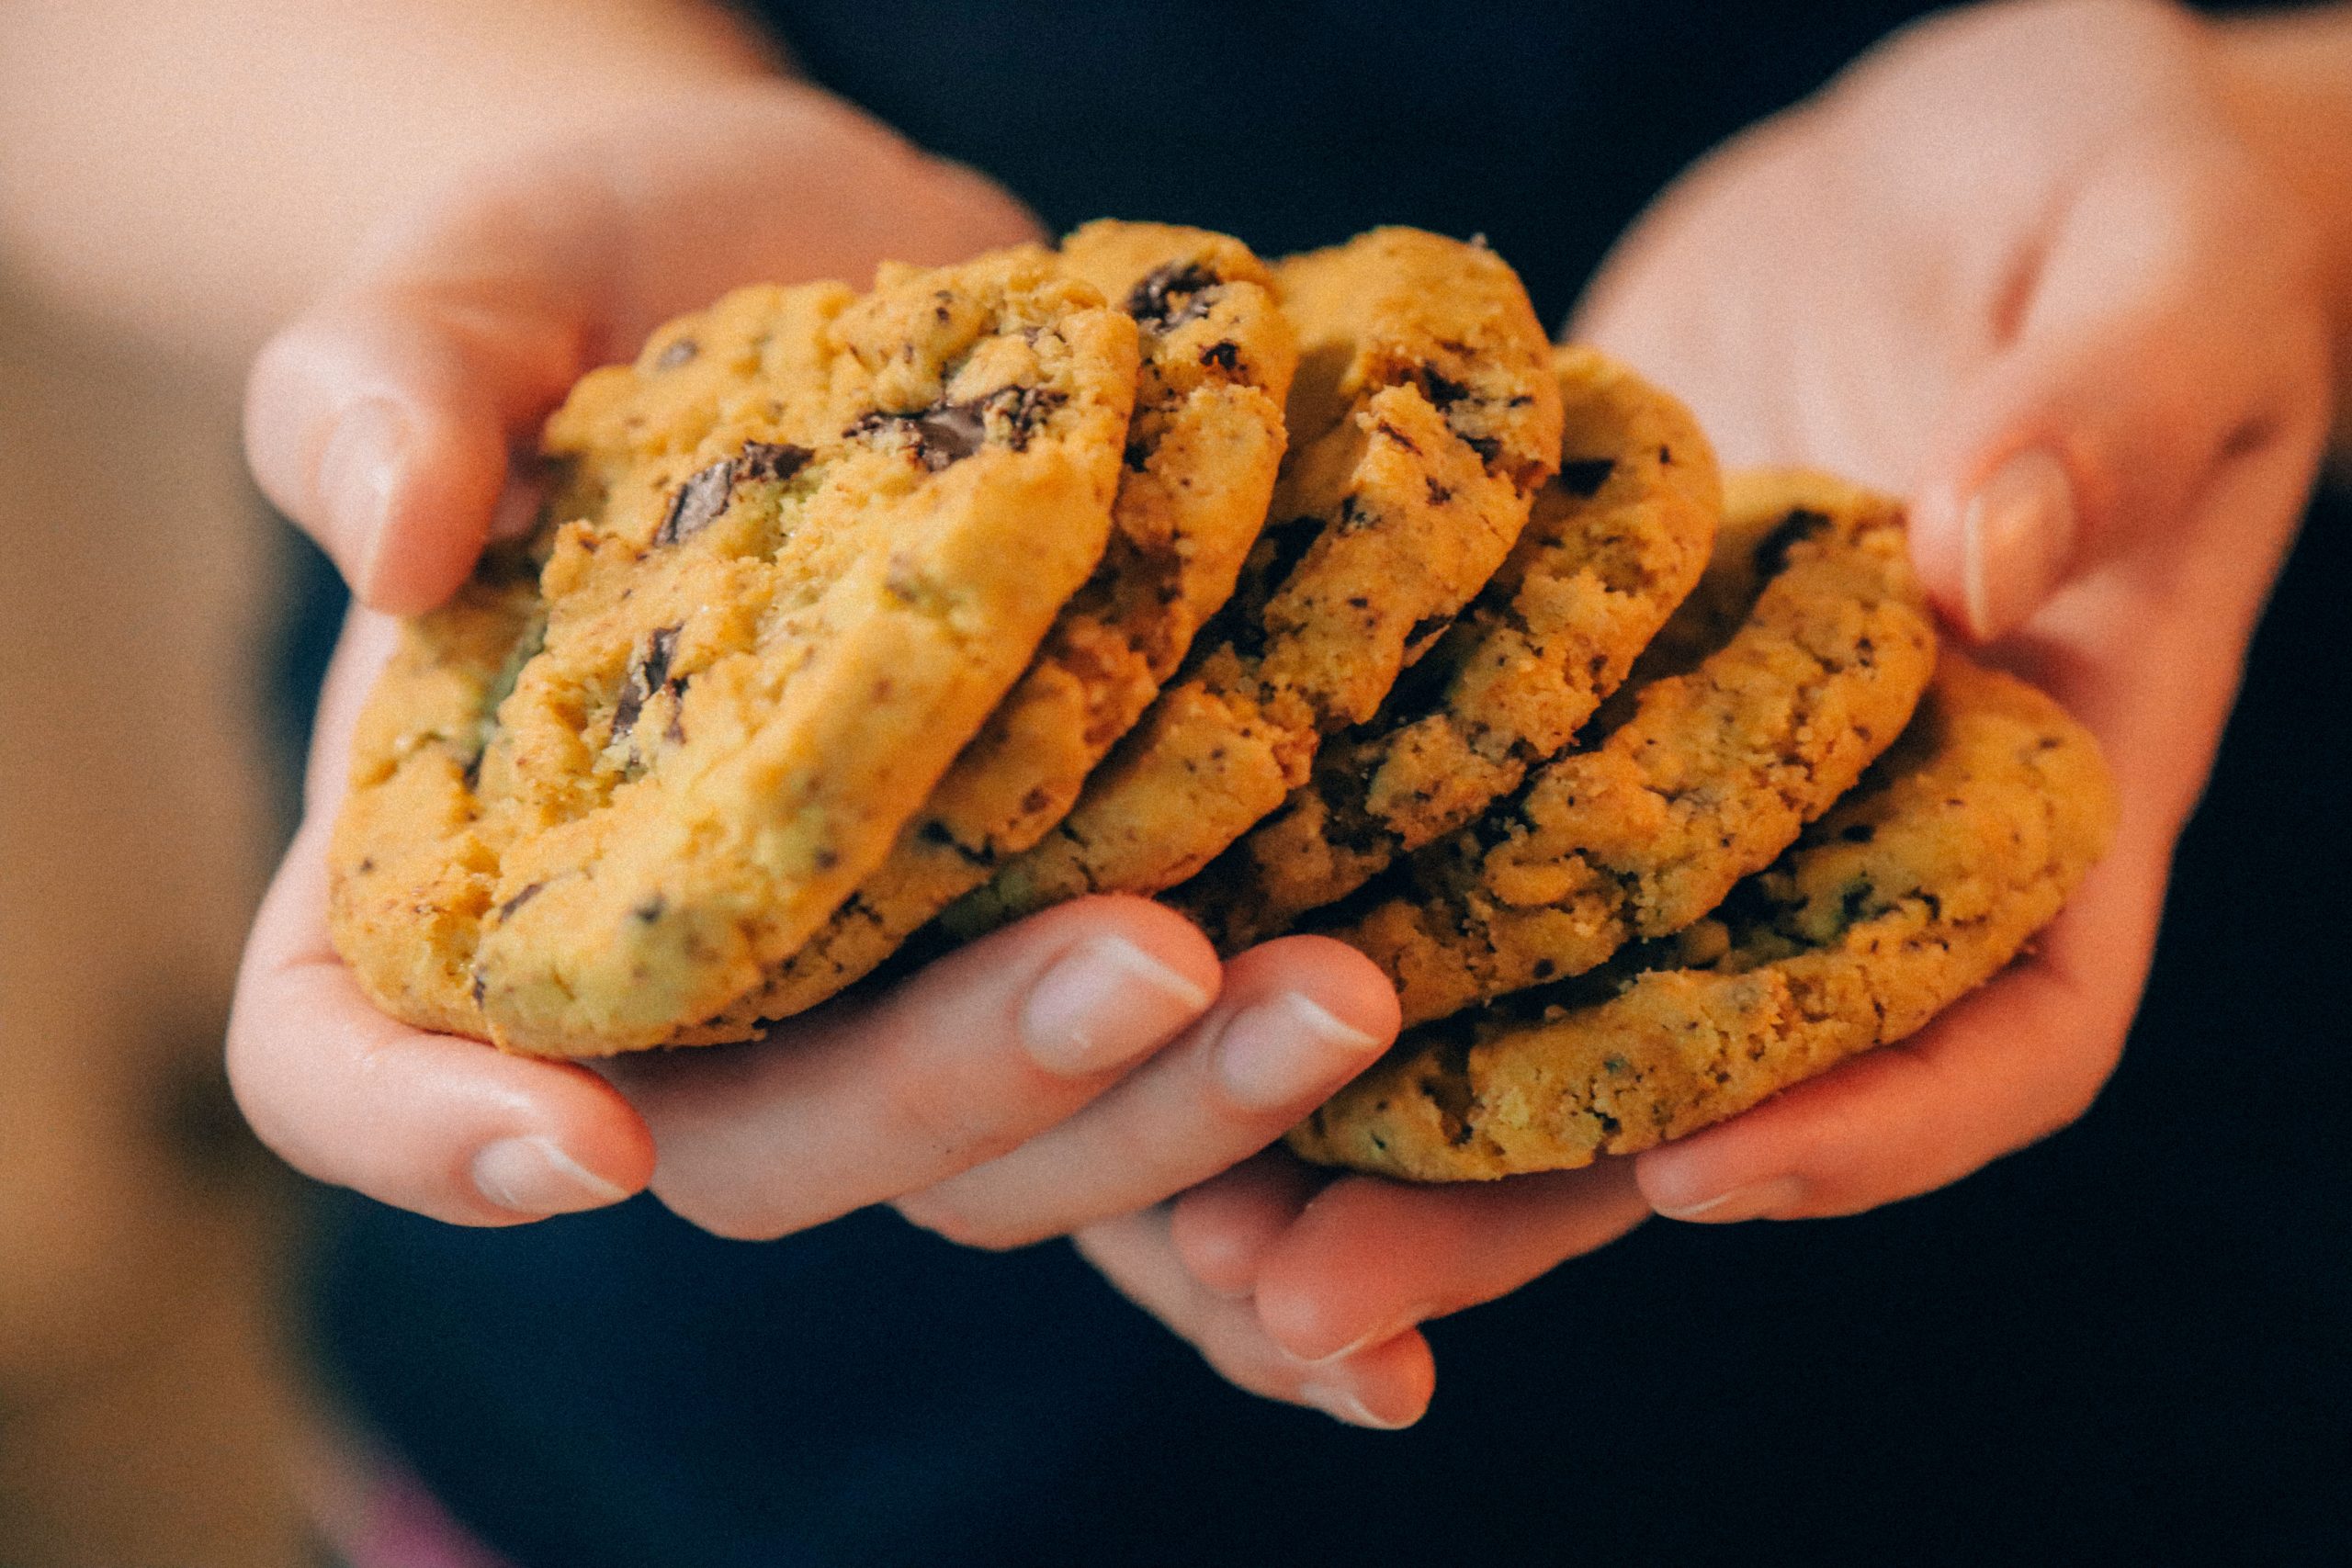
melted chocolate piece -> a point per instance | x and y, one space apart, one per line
1585 476
680 352
1226 356
948 433
506 910
646 675
698 502
1152 302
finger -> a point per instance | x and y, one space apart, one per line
2168 324
1368 1258
443 1127
382 421
1296 1019
862 1102
1383 1387
1223 1228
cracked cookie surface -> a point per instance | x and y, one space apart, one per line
1962 841
797 551
1423 418
1714 773
1615 541
1199 465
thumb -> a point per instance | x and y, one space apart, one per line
2170 326
381 421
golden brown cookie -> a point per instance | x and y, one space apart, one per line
1614 543
1714 775
1959 845
801 548
1200 462
1423 418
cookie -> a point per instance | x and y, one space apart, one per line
1961 843
1712 774
1199 468
798 551
1423 419
1614 543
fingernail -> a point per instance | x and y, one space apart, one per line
1420 1313
1756 1201
2017 538
1105 1002
532 1176
1281 1052
1341 1404
355 474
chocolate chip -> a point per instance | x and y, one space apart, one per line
1399 436
1585 476
1151 301
478 989
1859 833
652 910
771 461
947 433
647 674
506 910
1442 390
1226 356
934 831
1423 629
1772 551
698 502
1438 495
676 728
680 351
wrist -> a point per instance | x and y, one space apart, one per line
2286 81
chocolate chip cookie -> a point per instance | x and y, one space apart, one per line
1962 841
1712 774
1423 419
1198 471
798 551
1615 541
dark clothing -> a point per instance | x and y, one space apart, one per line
2130 1342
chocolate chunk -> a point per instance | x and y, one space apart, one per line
1152 301
652 910
1438 495
646 676
676 728
680 351
1423 629
1023 409
771 461
934 831
1441 391
1859 833
1226 356
1772 551
1585 476
698 502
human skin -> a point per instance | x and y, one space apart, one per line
2066 276
1928 317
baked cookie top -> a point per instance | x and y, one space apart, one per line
1963 842
1615 541
1423 418
1712 774
1198 470
798 551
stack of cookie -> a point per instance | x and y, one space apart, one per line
1319 595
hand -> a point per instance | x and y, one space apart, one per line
2018 265
1004 1092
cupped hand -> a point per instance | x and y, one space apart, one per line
2020 266
1083 1063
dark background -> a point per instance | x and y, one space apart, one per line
2128 1343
